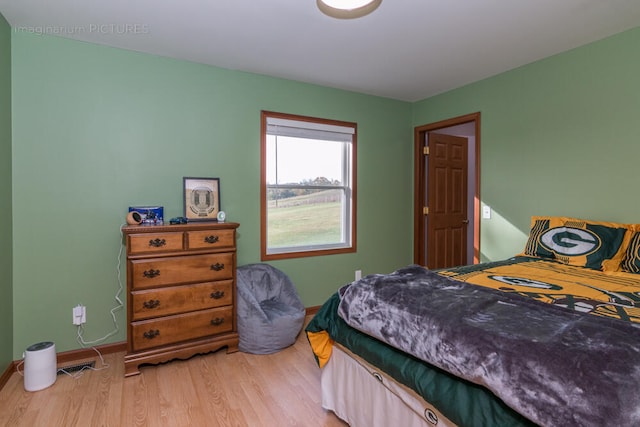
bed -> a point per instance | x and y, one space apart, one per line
549 337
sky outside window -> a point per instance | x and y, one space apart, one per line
303 159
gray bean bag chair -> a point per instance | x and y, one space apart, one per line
270 313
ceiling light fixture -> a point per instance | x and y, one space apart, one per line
347 9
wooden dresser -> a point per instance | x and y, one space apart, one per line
181 291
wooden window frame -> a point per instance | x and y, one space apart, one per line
263 188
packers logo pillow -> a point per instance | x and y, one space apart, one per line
631 260
591 244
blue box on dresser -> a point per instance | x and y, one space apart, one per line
150 214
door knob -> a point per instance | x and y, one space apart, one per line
465 221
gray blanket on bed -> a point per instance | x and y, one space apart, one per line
555 366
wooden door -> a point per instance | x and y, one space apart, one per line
447 222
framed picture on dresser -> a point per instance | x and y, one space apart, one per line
201 198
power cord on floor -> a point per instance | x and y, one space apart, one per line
20 363
80 372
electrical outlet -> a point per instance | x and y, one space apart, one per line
358 274
79 314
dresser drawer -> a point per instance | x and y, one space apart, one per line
182 327
155 242
153 272
179 299
210 239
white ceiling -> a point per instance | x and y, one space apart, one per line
407 49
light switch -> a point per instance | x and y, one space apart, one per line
486 212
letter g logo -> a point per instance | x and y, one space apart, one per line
570 241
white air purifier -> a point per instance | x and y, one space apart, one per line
40 366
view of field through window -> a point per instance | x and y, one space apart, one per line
310 219
300 211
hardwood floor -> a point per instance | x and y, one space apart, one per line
216 389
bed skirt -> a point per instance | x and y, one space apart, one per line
364 396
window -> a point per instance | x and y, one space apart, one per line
308 186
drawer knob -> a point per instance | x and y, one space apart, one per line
157 243
152 303
151 334
150 274
211 239
217 321
217 266
217 294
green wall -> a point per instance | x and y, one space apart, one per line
6 260
560 136
97 129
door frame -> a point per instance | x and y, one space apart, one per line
419 230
